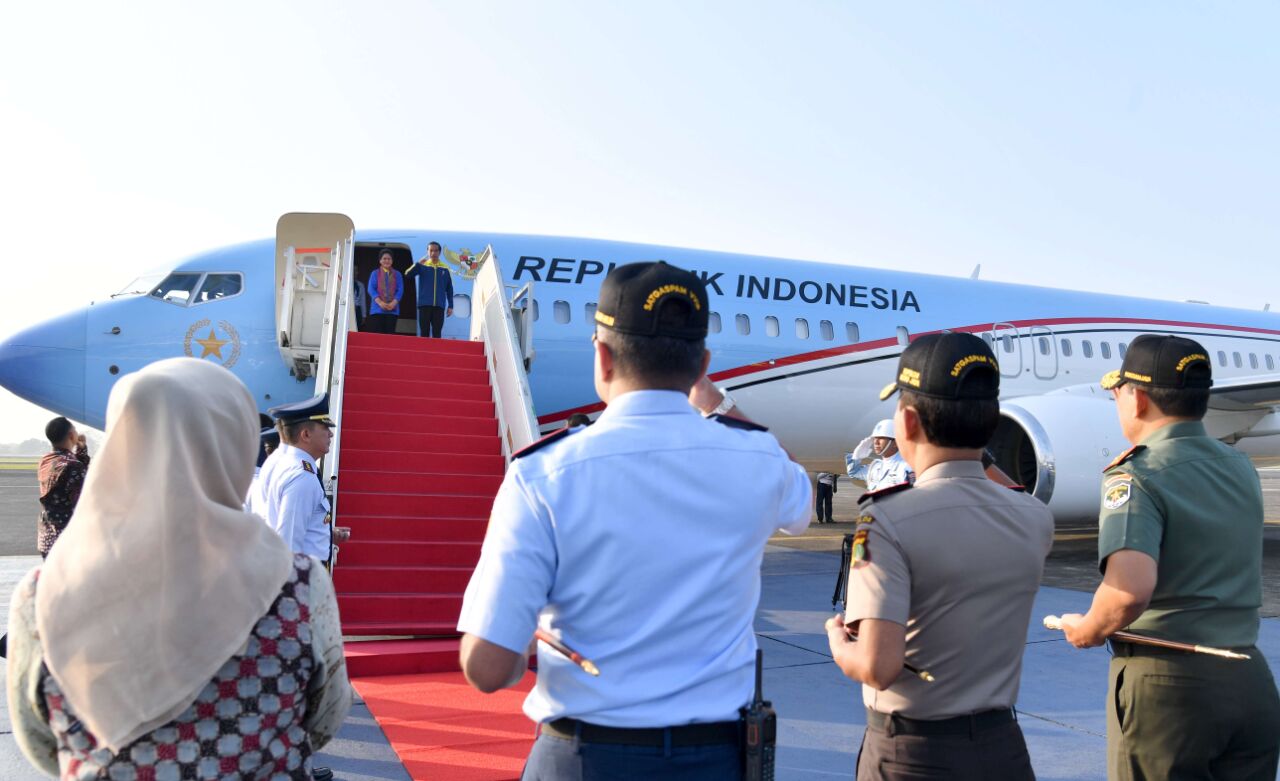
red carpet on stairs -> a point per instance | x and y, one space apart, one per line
441 728
419 464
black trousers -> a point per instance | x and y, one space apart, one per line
996 753
822 504
380 324
430 320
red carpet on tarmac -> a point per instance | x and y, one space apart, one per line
442 729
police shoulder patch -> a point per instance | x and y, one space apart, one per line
861 547
732 422
554 436
891 489
1125 456
306 467
1117 494
865 518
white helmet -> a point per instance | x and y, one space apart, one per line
883 429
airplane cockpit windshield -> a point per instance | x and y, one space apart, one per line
139 286
190 288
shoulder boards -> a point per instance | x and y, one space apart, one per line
732 422
892 489
306 467
1125 456
554 436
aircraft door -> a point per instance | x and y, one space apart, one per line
1007 345
309 249
1044 352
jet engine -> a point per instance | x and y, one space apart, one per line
1057 446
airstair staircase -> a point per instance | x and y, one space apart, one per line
425 430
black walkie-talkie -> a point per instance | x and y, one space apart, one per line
761 722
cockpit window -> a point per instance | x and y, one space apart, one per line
176 288
217 286
189 288
140 286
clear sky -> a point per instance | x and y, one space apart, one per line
1099 146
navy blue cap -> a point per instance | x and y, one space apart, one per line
316 409
269 436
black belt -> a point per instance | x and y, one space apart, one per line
708 734
957 725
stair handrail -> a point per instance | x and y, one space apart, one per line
492 323
286 301
331 374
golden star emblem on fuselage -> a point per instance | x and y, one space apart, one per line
212 345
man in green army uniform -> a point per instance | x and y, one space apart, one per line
1180 548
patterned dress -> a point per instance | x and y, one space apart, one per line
61 477
253 720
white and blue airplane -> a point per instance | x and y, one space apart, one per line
804 347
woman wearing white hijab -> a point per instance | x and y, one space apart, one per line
170 632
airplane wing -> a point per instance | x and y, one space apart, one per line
1257 392
1244 406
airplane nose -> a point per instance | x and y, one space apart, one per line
45 364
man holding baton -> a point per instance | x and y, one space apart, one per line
637 541
1180 548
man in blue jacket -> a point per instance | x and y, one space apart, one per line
434 289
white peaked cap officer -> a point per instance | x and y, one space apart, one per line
288 493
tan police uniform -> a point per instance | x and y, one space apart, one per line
957 560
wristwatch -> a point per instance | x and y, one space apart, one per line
726 404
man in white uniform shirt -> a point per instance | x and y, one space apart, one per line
887 468
637 540
287 492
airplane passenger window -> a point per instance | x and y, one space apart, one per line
589 311
802 328
744 324
1270 363
462 305
1105 348
533 302
216 286
1235 358
770 325
1007 341
828 331
1222 358
176 288
904 336
1122 348
851 331
1253 361
1044 345
990 342
1086 348
1066 348
713 322
561 312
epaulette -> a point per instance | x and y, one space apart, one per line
732 422
554 436
1125 456
891 489
306 467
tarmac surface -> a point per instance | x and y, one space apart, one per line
1061 705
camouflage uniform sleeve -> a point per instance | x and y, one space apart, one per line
880 579
1130 518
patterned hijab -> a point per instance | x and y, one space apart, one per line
161 577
